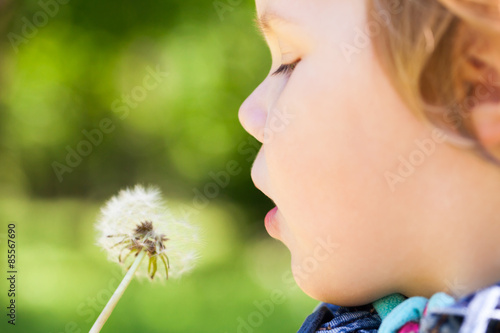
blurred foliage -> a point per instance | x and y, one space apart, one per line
89 55
99 95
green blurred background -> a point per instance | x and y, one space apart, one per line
82 116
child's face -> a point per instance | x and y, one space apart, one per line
332 131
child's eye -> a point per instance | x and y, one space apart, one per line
286 69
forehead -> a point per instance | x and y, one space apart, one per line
261 6
281 7
296 11
315 17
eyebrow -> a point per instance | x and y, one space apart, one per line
263 22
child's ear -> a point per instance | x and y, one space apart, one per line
483 75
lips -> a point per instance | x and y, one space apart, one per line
259 178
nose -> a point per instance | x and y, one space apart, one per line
252 114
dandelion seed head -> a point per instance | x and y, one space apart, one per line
138 219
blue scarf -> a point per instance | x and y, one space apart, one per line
478 312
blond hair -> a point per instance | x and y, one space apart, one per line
425 45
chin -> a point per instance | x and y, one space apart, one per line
341 293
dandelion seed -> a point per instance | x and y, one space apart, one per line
134 225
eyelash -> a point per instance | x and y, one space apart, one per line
286 69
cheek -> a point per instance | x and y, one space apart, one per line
329 157
345 129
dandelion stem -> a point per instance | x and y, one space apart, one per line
117 295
